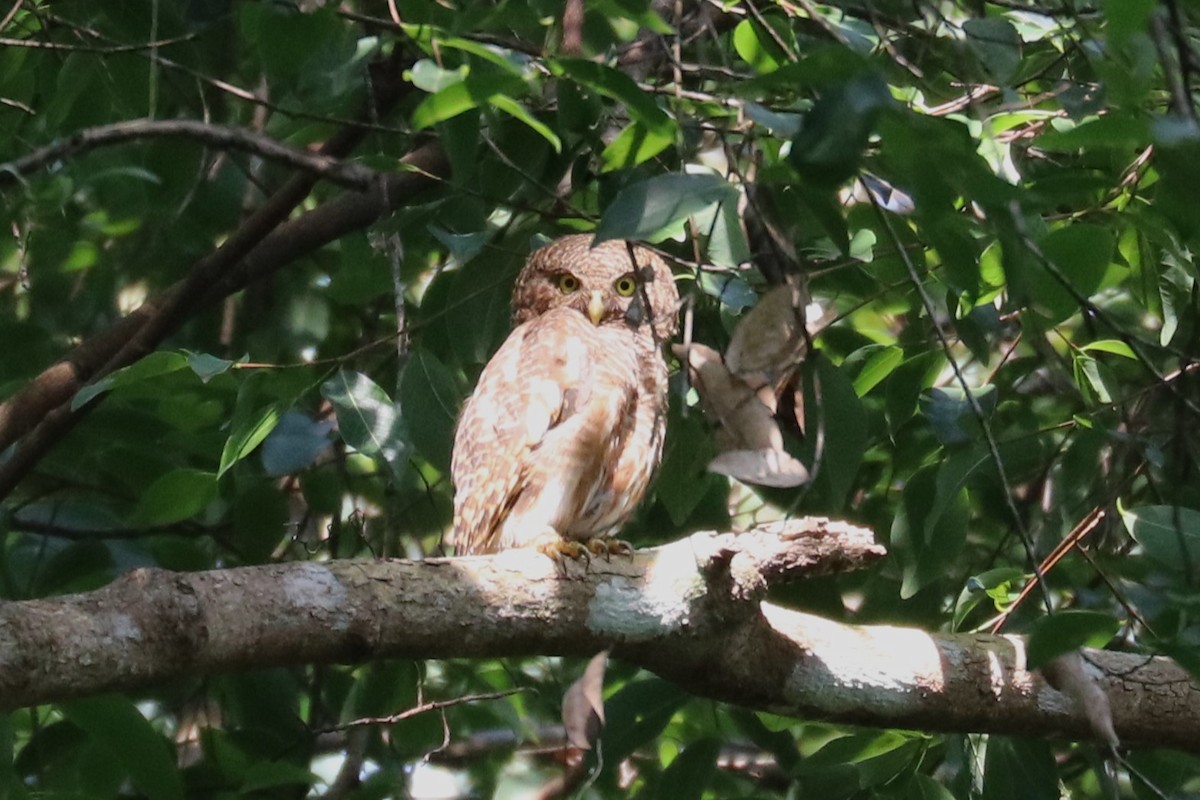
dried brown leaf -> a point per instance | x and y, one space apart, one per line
1069 674
769 342
583 704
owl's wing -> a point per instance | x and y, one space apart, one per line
536 381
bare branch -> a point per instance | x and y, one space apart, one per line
422 708
354 176
692 611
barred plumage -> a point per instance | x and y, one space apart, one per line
562 435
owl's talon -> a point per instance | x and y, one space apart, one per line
558 550
598 547
618 547
603 546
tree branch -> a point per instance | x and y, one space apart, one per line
354 176
692 611
39 414
214 278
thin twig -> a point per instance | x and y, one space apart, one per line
421 708
972 402
348 174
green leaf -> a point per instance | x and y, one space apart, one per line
1019 769
727 245
1126 18
1114 346
208 366
780 743
787 125
116 726
756 47
619 86
637 714
930 527
260 519
995 584
178 495
476 90
731 290
430 398
905 385
1118 131
1060 633
832 405
382 688
830 145
427 76
251 424
856 748
996 44
368 420
648 209
156 364
1082 254
635 144
949 412
1170 535
691 772
882 364
1088 376
519 112
682 481
862 245
923 787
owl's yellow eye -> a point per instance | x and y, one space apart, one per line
625 286
568 283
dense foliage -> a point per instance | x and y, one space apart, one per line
990 206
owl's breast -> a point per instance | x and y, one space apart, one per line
636 443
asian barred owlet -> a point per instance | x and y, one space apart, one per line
558 443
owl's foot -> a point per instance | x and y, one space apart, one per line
561 548
553 546
603 546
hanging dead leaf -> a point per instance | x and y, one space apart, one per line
583 705
747 434
769 341
763 467
1069 674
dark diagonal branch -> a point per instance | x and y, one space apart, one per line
692 611
222 137
39 414
139 333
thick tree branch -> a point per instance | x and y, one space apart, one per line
225 137
692 611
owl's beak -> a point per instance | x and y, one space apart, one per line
595 307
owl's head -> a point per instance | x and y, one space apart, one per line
614 283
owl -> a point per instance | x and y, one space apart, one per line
557 445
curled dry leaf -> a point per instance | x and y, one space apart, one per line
747 434
769 342
763 467
740 391
1069 674
583 705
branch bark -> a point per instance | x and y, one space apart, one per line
692 611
